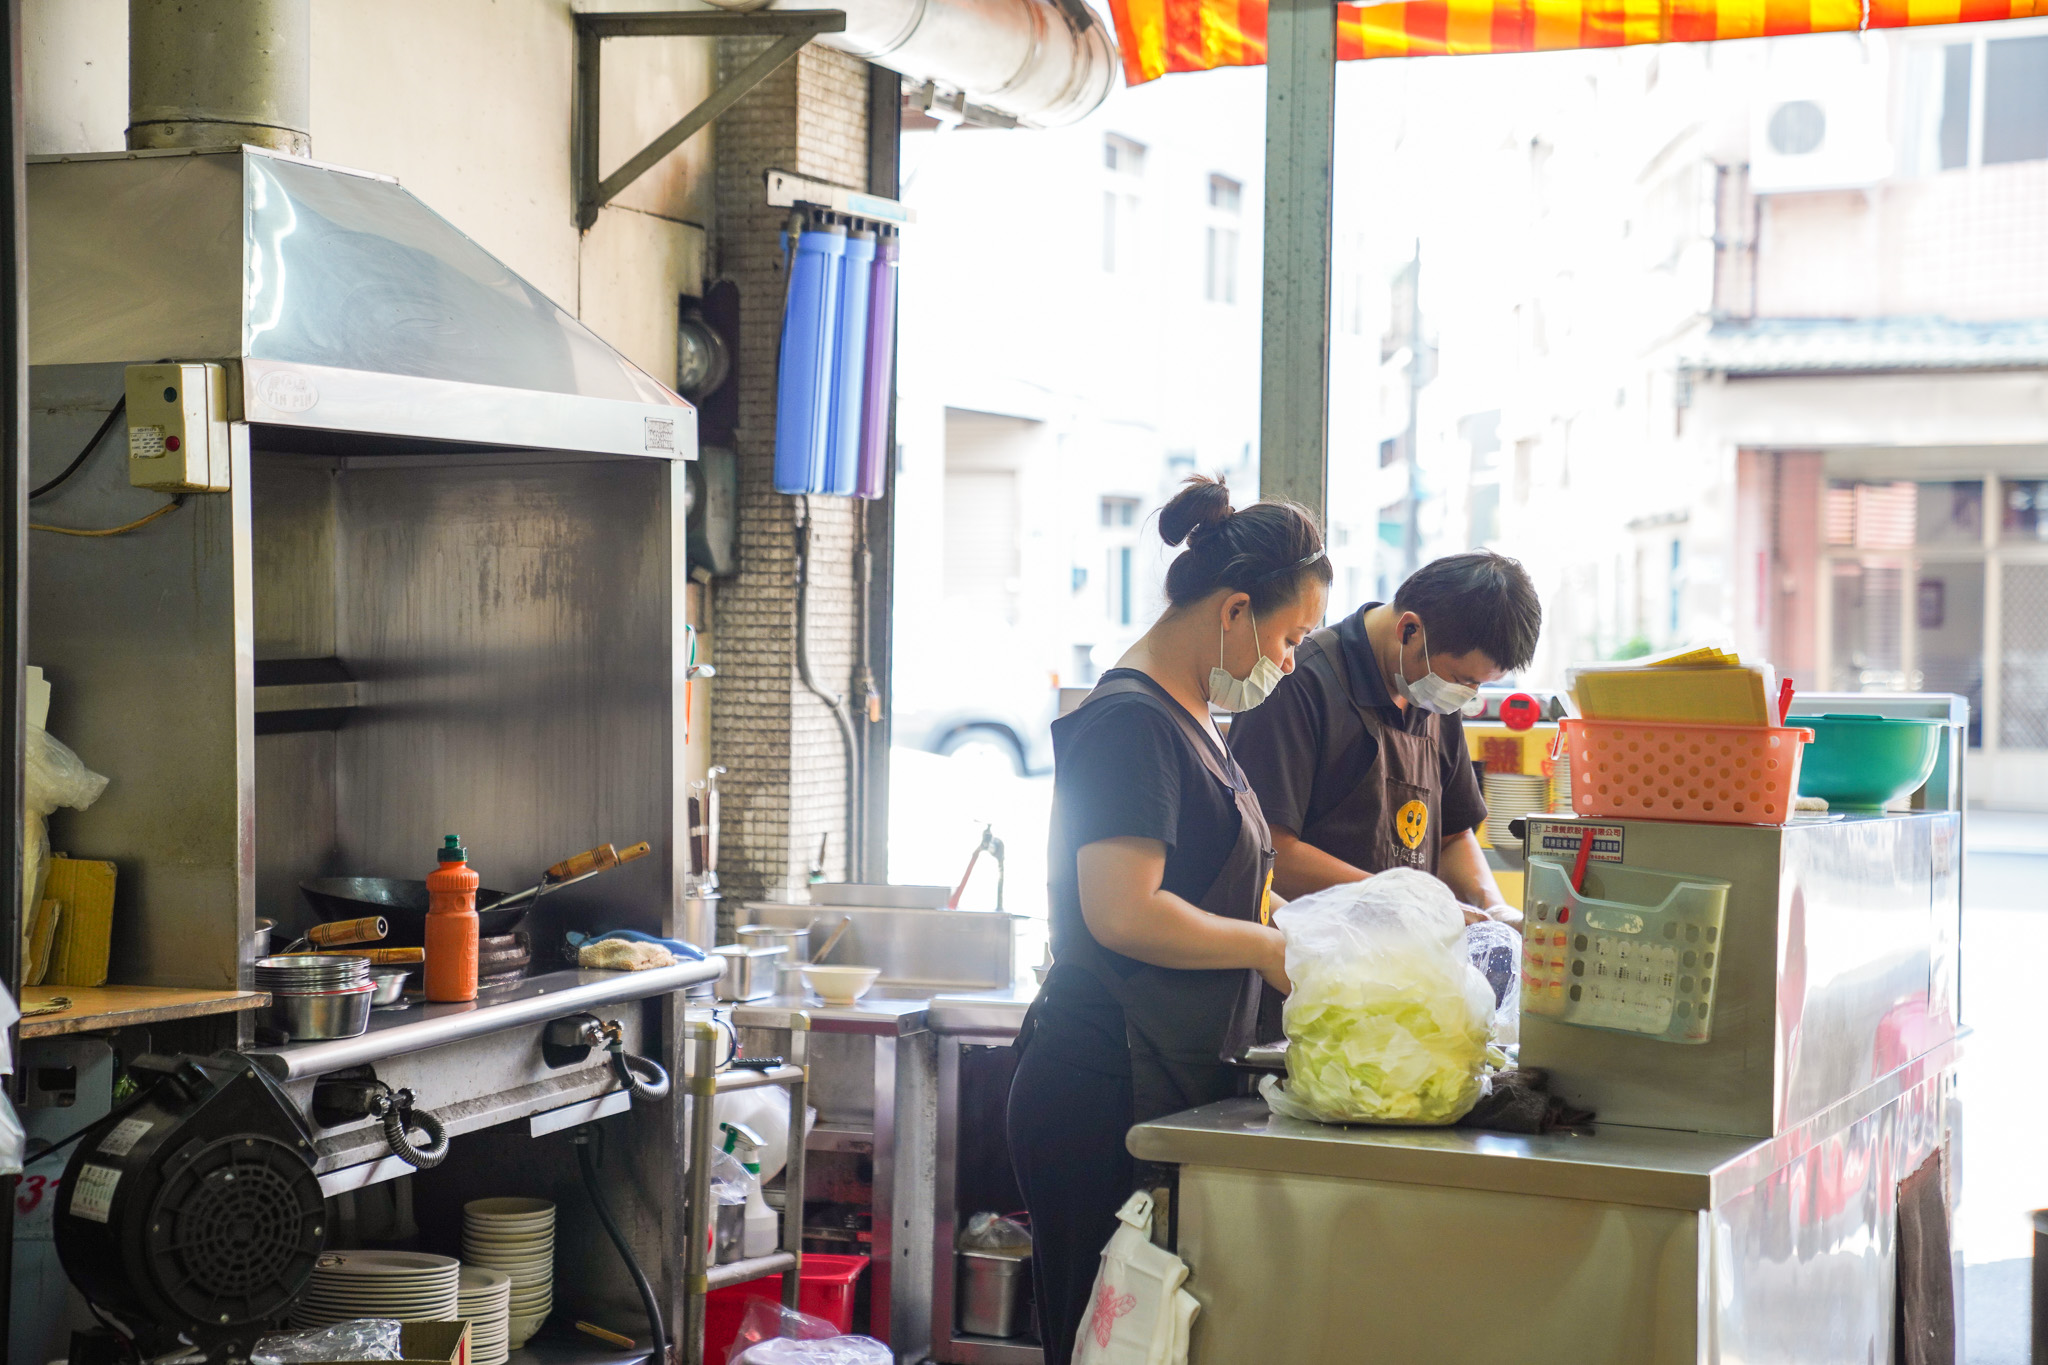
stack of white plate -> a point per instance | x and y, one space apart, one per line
1510 796
516 1236
408 1285
485 1297
1561 784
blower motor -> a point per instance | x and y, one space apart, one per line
197 1211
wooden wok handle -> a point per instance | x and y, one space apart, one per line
379 957
368 929
603 858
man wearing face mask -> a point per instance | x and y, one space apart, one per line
1359 756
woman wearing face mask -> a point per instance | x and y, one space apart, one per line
1360 760
1160 873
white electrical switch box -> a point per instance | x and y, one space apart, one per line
178 418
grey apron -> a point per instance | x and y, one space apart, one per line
1180 1025
1389 818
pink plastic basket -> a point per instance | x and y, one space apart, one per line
1714 774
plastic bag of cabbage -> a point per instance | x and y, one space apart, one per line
1389 1021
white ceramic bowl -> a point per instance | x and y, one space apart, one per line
840 985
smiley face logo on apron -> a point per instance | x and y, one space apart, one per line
1411 822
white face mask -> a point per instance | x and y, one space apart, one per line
1431 692
1242 694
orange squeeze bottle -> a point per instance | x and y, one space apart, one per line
451 924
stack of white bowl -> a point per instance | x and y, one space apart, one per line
516 1236
1510 796
485 1298
408 1285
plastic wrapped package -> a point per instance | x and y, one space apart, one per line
1389 1020
52 776
361 1339
771 1334
993 1232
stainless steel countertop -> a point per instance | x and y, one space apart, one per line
534 1000
896 1010
1000 1012
1614 1164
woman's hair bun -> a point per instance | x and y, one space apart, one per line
1202 502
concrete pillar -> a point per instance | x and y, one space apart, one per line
218 73
787 782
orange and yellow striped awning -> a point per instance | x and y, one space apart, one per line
1162 36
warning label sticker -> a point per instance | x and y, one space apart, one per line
92 1194
122 1137
1562 841
661 433
145 443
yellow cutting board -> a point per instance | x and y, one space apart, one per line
85 927
1693 696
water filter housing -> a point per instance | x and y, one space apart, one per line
803 388
849 372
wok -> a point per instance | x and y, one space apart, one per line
404 903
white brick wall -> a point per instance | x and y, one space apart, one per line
787 784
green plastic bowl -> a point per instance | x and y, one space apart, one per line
1864 763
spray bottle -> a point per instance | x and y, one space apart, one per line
762 1235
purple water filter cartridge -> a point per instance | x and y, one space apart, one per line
803 383
881 371
849 371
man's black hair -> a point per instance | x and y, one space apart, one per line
1477 600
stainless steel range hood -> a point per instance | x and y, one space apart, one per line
351 308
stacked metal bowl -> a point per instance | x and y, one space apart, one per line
317 995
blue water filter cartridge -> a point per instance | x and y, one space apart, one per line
849 370
803 386
874 424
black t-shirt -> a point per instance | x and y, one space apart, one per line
1279 744
1122 768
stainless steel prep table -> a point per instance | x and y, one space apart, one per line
967 1027
475 1065
1318 1243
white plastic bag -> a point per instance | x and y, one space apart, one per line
1138 1314
52 776
1389 1020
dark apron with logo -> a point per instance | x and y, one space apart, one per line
1180 1025
1389 819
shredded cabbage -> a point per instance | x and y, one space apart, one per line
1389 1021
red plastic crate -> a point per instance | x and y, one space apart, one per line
824 1290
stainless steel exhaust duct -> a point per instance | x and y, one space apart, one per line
1027 58
220 73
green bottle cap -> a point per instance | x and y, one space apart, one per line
451 849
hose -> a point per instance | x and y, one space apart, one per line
588 1162
836 705
652 1085
399 1115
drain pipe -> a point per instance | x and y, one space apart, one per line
1044 64
219 73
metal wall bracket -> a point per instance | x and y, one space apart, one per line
790 28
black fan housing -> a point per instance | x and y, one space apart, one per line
198 1211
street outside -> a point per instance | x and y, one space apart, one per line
939 806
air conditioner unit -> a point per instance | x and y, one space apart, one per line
1821 130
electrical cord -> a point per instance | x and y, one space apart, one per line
587 1161
132 1103
120 406
173 505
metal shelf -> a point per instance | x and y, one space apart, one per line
729 1081
739 1272
705 1083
